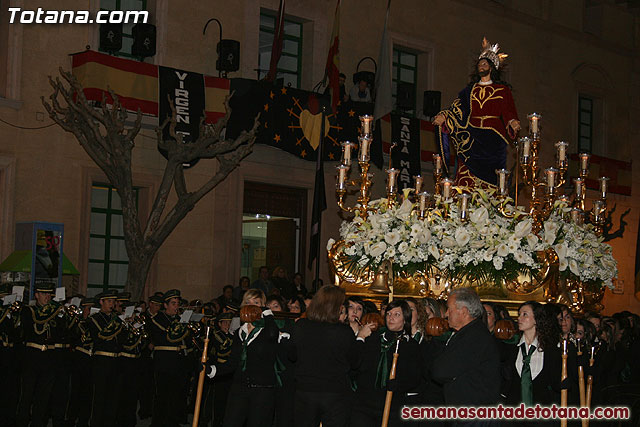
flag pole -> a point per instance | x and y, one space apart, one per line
319 239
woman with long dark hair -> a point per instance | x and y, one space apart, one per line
372 374
533 374
324 350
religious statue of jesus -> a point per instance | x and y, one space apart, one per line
480 123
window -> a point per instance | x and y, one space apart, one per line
290 63
405 78
108 260
585 124
127 28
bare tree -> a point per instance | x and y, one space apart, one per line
109 142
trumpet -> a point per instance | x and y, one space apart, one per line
195 327
136 325
16 307
72 311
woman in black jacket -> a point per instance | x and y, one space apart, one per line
324 350
372 374
535 363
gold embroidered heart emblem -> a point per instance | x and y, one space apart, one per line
311 124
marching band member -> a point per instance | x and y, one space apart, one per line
170 339
105 326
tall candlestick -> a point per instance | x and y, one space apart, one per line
464 203
584 163
419 180
437 163
391 180
446 188
534 124
342 177
366 124
363 154
346 152
597 209
502 181
603 186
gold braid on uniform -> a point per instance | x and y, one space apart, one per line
110 331
225 346
44 316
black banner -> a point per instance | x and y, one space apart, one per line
405 133
290 119
186 90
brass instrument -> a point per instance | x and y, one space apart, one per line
16 307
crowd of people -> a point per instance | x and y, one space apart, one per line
280 355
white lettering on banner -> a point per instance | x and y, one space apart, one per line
182 100
405 140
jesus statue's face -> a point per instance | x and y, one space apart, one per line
483 68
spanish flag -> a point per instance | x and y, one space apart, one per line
136 83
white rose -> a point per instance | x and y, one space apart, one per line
503 251
448 242
377 249
561 250
563 264
573 266
462 236
434 252
523 228
402 248
479 216
330 244
550 230
392 238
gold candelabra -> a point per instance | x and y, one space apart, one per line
546 185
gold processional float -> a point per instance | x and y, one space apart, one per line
418 244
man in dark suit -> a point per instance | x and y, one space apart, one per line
468 367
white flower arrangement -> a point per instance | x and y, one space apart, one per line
487 247
581 253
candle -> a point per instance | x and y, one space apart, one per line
391 180
366 124
578 183
593 352
502 181
419 180
551 178
346 152
603 186
437 163
363 155
584 163
534 125
446 188
423 202
564 347
579 347
464 202
342 177
562 151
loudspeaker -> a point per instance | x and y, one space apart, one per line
431 103
228 55
110 37
144 40
406 96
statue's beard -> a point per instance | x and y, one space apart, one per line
484 73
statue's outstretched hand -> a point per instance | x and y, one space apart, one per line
439 120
